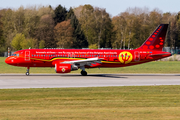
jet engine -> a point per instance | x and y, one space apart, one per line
65 68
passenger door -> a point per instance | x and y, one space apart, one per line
27 55
136 56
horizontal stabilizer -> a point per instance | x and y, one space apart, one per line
158 54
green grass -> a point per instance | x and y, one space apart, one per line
108 103
151 67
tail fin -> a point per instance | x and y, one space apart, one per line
156 40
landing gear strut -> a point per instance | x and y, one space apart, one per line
27 73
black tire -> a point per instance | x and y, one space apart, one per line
27 73
83 73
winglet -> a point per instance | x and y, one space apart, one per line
156 40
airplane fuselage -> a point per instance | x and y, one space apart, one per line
109 58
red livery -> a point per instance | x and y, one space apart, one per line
67 60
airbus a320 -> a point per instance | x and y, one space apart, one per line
67 60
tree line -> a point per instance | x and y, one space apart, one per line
82 27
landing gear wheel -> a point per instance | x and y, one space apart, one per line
83 73
27 73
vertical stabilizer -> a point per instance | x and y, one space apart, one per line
156 40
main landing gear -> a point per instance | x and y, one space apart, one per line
27 73
83 72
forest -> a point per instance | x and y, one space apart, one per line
85 26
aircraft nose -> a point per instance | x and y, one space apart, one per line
10 60
7 61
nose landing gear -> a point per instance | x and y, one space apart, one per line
27 73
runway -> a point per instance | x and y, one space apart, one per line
11 81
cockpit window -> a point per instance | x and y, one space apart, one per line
15 55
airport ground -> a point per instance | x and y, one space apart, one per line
128 99
15 81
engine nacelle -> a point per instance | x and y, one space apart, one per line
64 68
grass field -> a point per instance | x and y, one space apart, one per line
152 67
106 103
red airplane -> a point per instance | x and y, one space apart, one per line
67 60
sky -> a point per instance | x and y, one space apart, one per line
113 7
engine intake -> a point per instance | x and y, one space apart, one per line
65 68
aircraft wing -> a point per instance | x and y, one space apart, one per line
88 62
